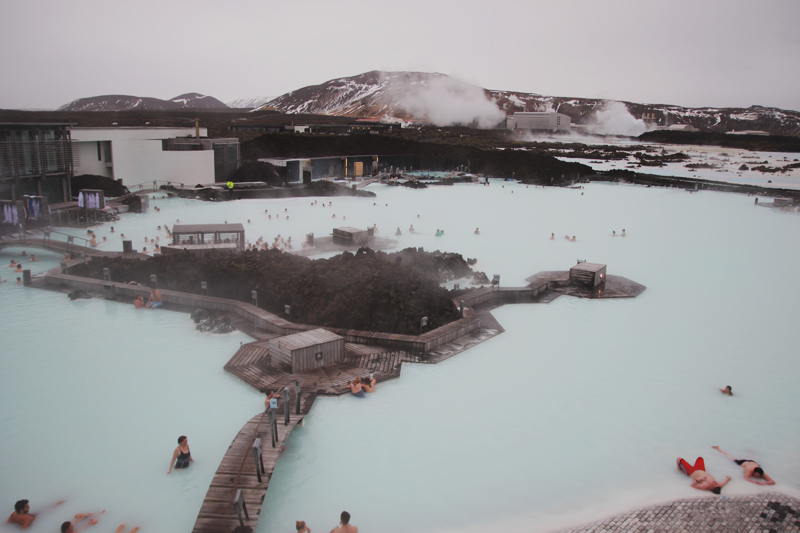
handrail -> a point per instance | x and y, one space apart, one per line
150 185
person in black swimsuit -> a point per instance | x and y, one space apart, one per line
751 469
182 456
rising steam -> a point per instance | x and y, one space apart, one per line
444 101
615 119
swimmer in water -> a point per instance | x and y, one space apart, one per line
614 233
623 232
411 229
368 384
573 238
727 390
356 388
751 469
182 456
477 231
552 236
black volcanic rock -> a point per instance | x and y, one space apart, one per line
766 143
533 166
367 290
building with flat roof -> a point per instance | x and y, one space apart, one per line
135 155
548 121
35 159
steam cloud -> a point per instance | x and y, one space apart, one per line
615 119
445 101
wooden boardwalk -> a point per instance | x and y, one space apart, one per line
238 471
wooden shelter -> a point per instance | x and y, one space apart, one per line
306 350
588 274
349 236
199 238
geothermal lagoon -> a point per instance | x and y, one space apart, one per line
577 411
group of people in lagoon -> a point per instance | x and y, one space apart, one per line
153 302
360 386
344 525
702 480
24 518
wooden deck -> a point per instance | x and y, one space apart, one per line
253 365
238 471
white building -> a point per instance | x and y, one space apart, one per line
549 121
142 155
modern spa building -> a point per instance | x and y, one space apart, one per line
137 155
35 159
547 121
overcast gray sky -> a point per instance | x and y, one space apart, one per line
722 53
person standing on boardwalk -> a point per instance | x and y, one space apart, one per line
751 469
182 456
344 525
702 479
271 402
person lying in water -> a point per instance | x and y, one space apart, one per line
727 390
702 479
751 469
75 527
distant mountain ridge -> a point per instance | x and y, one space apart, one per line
120 102
444 100
391 95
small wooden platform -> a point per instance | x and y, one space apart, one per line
614 286
238 471
253 365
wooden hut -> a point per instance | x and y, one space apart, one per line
587 274
201 238
307 350
349 236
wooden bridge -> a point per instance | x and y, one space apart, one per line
237 471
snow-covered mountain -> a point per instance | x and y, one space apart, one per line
444 100
253 102
119 102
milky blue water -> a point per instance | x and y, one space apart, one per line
578 410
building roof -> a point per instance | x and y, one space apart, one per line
305 339
349 229
207 228
589 267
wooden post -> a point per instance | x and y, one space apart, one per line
259 458
286 396
239 505
297 397
273 427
